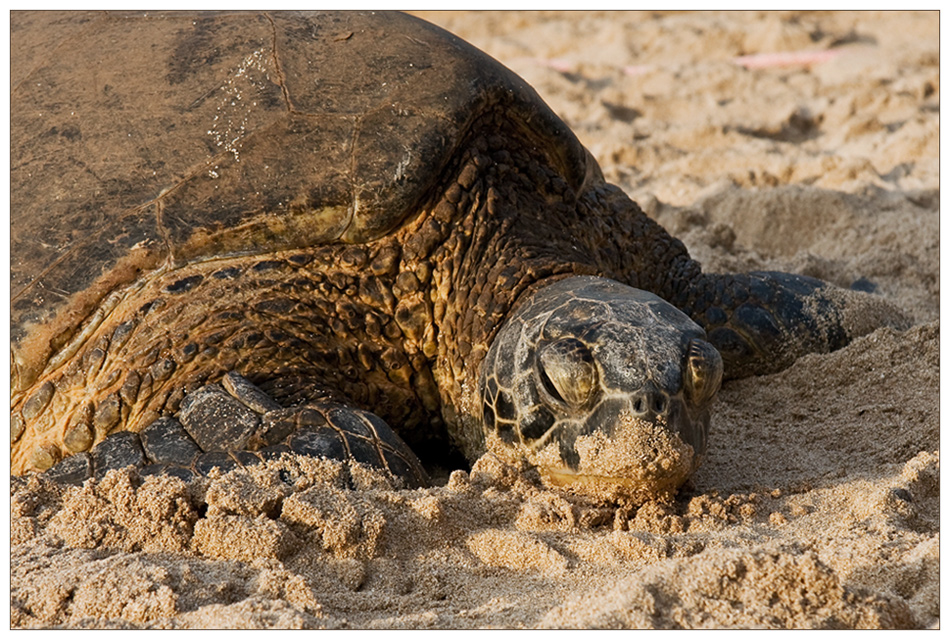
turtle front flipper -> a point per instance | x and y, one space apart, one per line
234 423
761 322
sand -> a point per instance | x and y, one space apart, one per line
817 505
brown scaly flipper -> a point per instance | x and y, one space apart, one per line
235 424
761 322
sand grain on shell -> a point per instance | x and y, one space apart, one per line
817 505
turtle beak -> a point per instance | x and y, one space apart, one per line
646 450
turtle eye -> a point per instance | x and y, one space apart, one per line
567 372
703 371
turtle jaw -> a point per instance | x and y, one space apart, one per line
611 488
635 461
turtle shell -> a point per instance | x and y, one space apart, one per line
147 141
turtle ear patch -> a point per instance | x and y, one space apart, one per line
567 373
703 371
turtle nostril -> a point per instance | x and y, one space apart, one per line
650 402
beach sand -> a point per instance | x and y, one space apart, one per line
817 504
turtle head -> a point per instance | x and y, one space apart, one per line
604 388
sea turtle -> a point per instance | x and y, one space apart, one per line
236 235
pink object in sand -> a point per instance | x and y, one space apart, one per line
558 64
786 58
638 69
